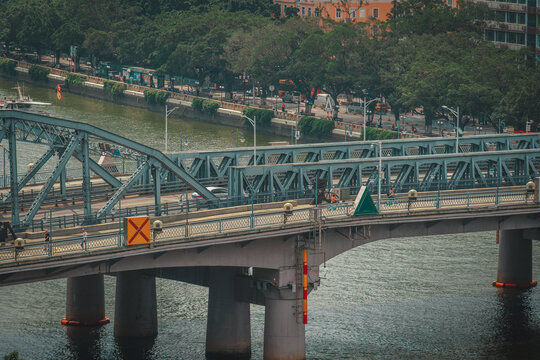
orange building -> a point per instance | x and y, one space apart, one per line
340 10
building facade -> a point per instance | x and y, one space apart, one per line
340 10
517 24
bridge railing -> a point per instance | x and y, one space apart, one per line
191 229
171 208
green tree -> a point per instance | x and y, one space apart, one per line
98 44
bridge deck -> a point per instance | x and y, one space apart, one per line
245 221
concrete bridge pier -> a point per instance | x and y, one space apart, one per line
135 308
85 301
515 260
228 329
284 331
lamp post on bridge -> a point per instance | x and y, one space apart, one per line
455 112
253 123
365 110
167 113
379 170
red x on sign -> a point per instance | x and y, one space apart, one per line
137 230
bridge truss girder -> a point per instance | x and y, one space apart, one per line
77 140
430 172
210 164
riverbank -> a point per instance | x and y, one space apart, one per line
228 114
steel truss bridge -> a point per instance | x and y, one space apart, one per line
70 139
282 172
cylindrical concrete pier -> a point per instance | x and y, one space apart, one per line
284 332
85 300
515 259
228 329
135 308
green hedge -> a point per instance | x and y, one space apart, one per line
153 97
379 134
205 105
262 116
8 66
313 126
196 103
38 73
74 79
114 88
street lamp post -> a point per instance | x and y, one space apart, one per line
253 123
379 170
167 113
455 112
365 110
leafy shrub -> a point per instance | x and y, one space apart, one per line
313 126
210 106
114 88
379 134
153 97
8 66
74 79
197 103
262 116
205 105
13 356
38 73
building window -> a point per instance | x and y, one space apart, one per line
361 13
376 13
353 13
303 11
520 39
338 13
490 35
450 3
511 17
521 19
499 36
317 12
511 37
309 12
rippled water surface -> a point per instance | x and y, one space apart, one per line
413 298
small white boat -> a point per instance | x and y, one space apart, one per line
20 103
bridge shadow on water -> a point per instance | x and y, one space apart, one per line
517 335
85 343
89 344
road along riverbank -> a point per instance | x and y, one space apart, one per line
229 114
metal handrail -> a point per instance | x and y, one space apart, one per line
189 229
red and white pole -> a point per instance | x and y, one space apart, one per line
304 286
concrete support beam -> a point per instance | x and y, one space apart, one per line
515 258
85 300
228 330
135 308
284 332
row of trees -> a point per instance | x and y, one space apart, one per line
425 56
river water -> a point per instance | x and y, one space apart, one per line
411 298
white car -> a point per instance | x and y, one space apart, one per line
220 192
355 108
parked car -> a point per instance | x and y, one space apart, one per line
291 97
220 192
355 108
